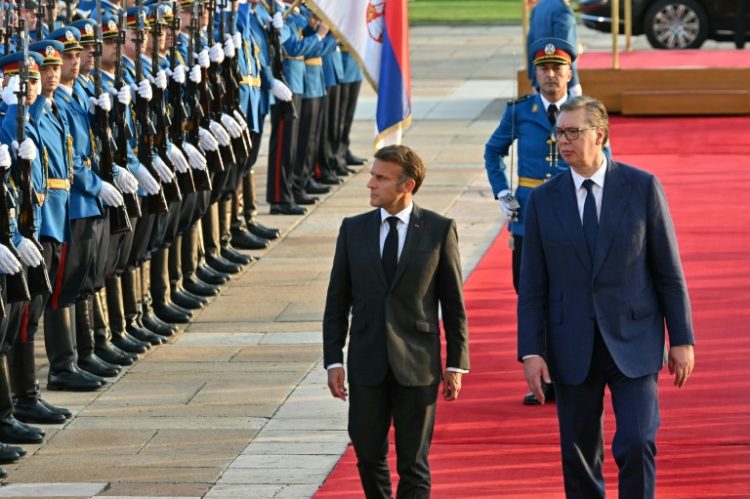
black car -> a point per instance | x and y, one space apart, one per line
672 24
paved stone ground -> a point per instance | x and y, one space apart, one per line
236 405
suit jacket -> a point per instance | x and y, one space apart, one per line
396 327
633 285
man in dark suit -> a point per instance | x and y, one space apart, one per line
394 267
600 276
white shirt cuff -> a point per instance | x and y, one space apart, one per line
457 370
530 356
337 364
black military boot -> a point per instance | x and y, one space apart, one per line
189 264
158 293
12 430
131 301
59 340
88 360
249 209
103 346
116 313
179 294
28 405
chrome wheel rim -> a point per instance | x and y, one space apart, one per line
676 26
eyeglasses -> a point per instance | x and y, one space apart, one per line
570 133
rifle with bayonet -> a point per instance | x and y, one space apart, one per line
234 70
156 203
172 192
121 127
119 219
231 98
215 161
286 108
37 278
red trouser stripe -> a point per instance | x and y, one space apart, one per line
23 334
60 275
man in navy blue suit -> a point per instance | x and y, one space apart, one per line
600 277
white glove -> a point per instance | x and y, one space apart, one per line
281 91
196 159
9 264
229 46
234 128
237 39
29 253
165 174
161 79
178 74
4 156
146 181
123 95
26 151
103 102
277 21
195 74
216 54
222 137
110 195
509 204
178 159
124 180
9 92
204 60
239 119
206 140
143 89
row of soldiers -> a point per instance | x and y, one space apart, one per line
127 141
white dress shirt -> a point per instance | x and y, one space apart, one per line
559 103
597 189
403 223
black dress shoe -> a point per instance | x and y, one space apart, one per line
16 432
107 351
33 411
549 395
218 262
94 365
157 326
304 199
127 343
9 455
313 187
244 239
330 179
172 313
353 160
207 274
199 287
74 381
57 409
235 256
287 209
258 229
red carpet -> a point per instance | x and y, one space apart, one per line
488 445
664 59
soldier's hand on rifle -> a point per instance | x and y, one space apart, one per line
4 156
178 74
143 89
204 60
161 79
239 119
206 140
10 90
110 195
195 74
222 137
29 253
281 91
124 180
165 174
27 149
277 21
124 96
9 264
146 181
196 159
234 128
509 205
178 159
229 46
237 40
216 53
104 101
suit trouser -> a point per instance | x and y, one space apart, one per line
580 410
412 410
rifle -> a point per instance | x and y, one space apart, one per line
172 189
37 278
156 203
179 113
119 220
230 72
132 203
39 20
50 16
277 65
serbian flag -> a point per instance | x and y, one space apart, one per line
376 33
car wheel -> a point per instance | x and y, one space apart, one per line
676 24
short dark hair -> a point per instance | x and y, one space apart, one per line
409 161
594 111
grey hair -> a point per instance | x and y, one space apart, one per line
594 111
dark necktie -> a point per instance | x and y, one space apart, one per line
552 114
390 250
590 221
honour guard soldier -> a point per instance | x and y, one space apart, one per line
351 83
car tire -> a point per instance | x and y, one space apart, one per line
676 24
